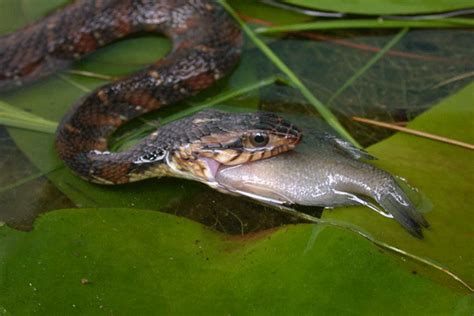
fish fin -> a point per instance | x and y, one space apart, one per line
355 199
347 148
396 202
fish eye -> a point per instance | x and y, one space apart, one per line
259 139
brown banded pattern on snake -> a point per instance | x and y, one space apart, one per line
206 46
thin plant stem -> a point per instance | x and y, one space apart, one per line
378 243
368 65
15 117
28 179
90 74
414 132
367 23
454 79
296 82
74 83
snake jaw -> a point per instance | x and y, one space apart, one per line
203 166
220 140
201 169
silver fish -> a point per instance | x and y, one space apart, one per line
326 171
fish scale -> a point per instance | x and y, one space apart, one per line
323 171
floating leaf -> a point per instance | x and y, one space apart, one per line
384 6
130 261
443 175
91 260
124 261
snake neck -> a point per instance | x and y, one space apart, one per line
206 46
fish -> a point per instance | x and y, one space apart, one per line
323 171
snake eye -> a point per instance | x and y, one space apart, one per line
259 139
152 156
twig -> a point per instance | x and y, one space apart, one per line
414 132
454 79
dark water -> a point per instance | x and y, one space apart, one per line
424 67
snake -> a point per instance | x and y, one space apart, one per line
206 46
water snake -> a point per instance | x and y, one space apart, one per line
206 46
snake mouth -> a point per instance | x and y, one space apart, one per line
202 169
234 140
209 168
204 165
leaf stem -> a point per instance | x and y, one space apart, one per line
27 179
367 23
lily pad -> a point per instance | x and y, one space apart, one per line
134 261
125 261
442 173
128 261
384 6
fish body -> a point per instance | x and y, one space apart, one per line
323 171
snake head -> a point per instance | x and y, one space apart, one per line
226 139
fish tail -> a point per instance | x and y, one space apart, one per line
395 201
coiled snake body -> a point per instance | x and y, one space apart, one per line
206 46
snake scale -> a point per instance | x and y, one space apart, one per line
206 46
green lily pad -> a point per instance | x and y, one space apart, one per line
128 261
125 261
384 6
134 261
443 174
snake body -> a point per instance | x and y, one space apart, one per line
206 46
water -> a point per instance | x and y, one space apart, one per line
396 89
159 260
